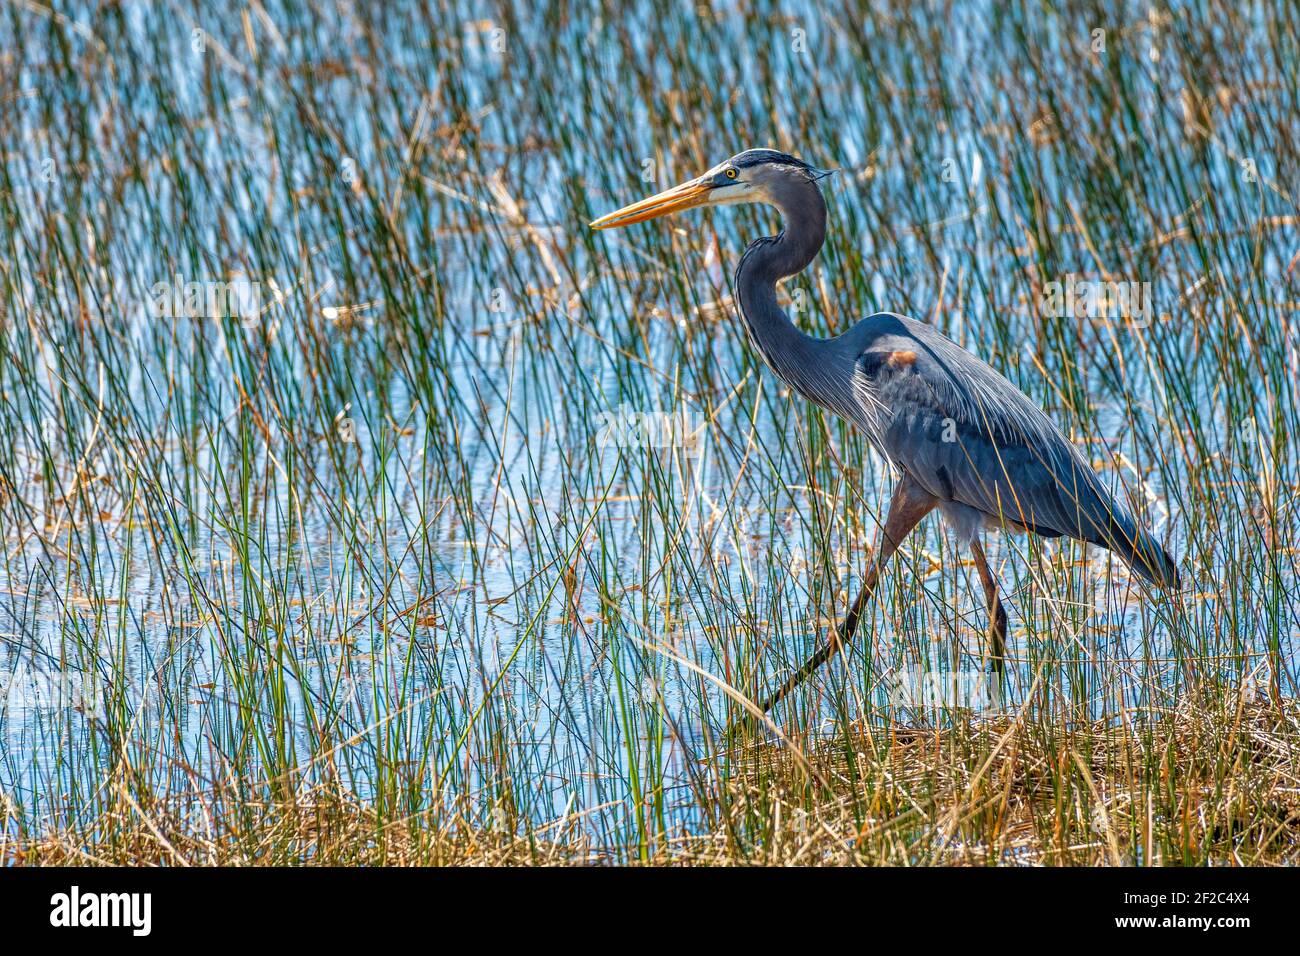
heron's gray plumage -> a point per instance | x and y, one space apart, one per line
965 434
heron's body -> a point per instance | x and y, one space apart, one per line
963 438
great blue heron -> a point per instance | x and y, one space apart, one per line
965 440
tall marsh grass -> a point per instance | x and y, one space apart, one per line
345 568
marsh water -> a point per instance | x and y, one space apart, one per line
457 503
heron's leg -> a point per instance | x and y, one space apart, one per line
997 616
909 504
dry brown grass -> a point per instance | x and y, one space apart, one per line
1186 784
1190 784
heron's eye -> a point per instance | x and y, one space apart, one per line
731 172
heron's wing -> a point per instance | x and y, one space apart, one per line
968 435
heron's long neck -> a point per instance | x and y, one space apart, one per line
798 359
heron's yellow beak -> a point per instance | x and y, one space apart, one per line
676 199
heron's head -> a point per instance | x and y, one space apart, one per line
756 175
